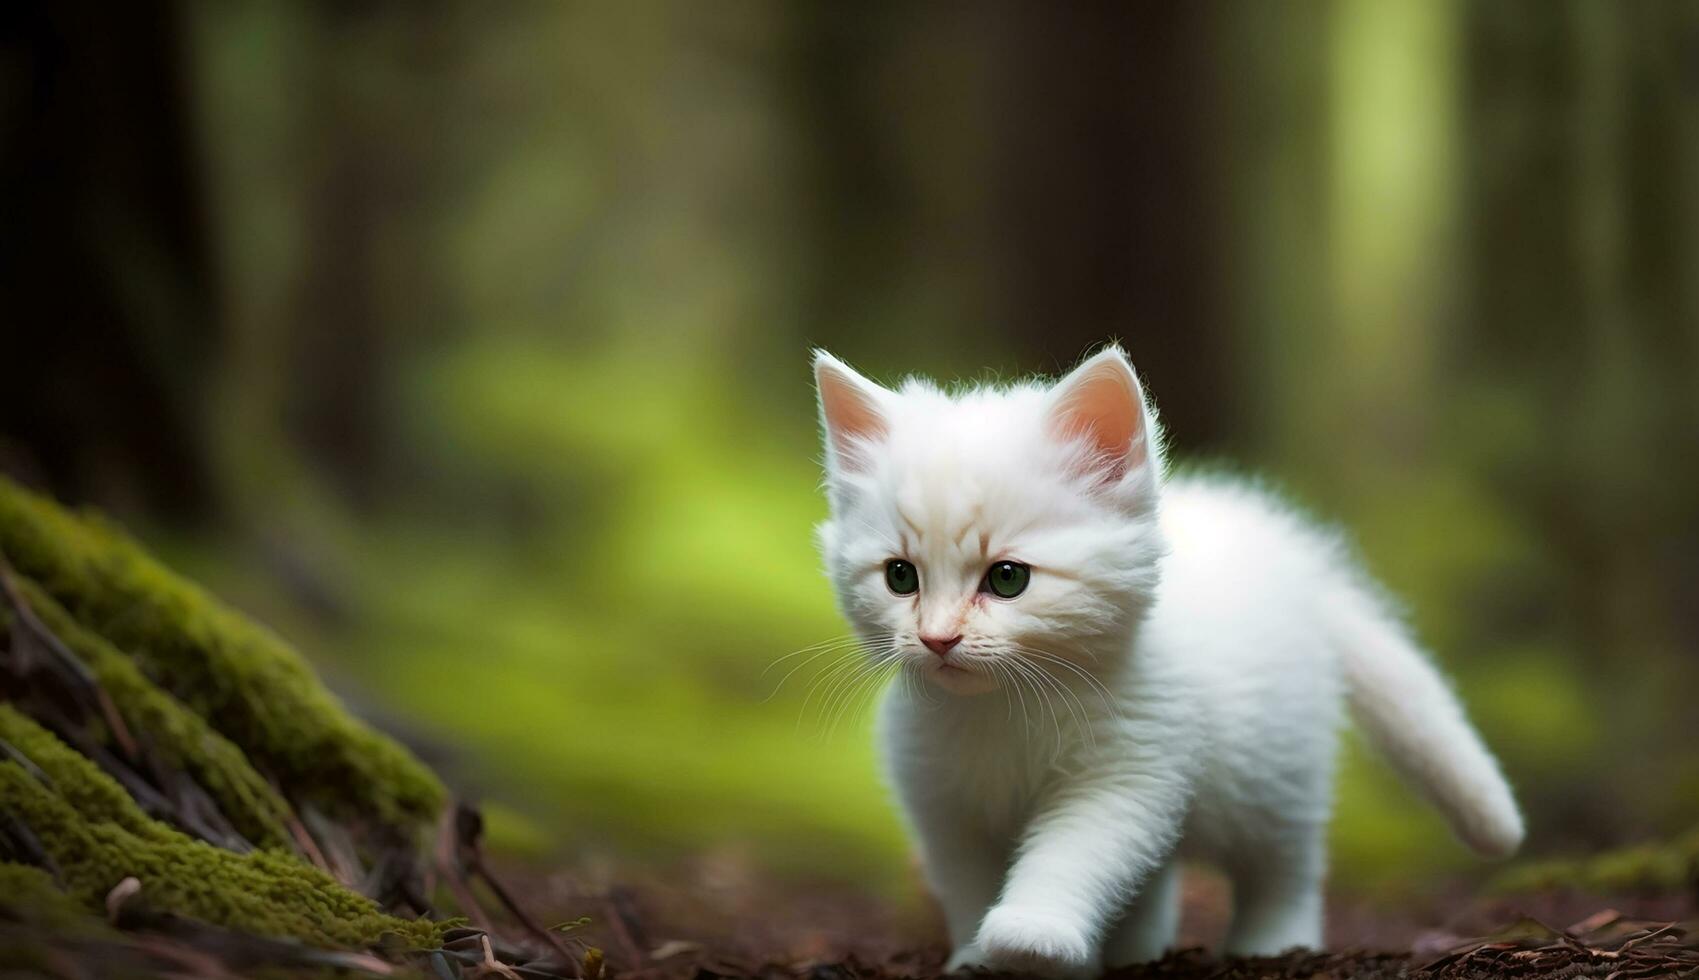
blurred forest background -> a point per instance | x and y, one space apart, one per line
467 345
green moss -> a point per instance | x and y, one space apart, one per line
176 735
242 679
97 836
208 692
1644 868
97 800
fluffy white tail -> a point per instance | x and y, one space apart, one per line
1409 713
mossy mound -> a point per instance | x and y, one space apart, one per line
96 836
148 731
241 679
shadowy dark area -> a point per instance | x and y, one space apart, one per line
106 257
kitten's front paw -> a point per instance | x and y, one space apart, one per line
1034 941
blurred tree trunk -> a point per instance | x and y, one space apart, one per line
851 176
104 258
1067 180
330 146
1106 191
336 344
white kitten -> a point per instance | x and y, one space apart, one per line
1170 658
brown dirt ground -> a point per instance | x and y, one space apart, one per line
715 917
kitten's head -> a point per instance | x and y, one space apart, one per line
974 534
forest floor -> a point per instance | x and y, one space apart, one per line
716 918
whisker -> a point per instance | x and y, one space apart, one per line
825 681
832 641
1083 715
915 684
829 706
879 683
857 690
1013 679
921 685
804 649
1042 686
1103 693
833 708
1092 681
837 648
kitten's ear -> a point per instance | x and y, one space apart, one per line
1102 402
852 409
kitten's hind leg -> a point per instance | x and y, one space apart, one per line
1277 896
1148 927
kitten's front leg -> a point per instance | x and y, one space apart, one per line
1083 854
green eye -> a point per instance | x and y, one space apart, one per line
902 577
1007 579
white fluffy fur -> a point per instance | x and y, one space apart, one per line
1170 685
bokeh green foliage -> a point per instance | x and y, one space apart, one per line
611 651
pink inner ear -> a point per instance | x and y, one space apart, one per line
1102 403
851 414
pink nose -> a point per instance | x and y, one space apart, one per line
941 644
